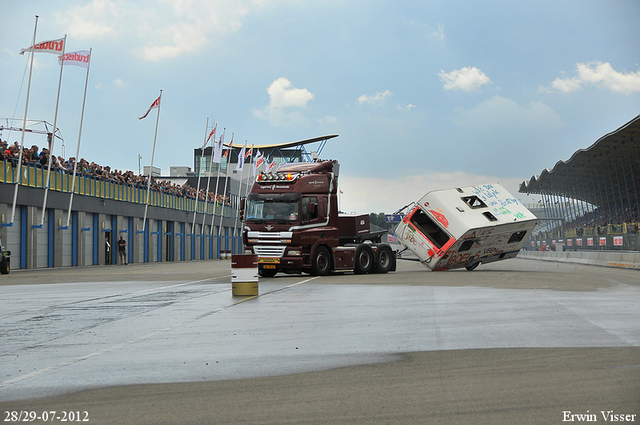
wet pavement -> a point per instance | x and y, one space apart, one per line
101 327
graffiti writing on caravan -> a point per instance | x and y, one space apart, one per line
487 191
54 45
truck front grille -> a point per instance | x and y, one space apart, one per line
269 250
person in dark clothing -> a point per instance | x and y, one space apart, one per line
122 250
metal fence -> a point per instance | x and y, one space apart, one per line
624 237
87 185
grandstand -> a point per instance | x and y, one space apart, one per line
591 201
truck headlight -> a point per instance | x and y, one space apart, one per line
248 251
295 253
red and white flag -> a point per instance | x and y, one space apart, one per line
258 160
79 58
155 104
212 134
51 46
224 155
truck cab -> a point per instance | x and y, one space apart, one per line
291 221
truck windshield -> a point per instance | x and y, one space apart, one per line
272 210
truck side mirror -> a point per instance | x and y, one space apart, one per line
311 208
242 205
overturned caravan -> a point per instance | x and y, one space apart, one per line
466 226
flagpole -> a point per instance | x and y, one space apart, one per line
195 211
240 188
213 154
251 162
24 127
242 178
224 191
225 187
204 215
75 163
235 222
213 216
53 136
153 152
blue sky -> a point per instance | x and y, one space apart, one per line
423 94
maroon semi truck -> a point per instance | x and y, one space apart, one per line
291 221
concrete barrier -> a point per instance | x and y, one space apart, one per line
627 260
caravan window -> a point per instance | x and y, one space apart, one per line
474 202
429 228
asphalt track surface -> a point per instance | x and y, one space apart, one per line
519 342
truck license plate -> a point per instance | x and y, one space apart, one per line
269 260
268 266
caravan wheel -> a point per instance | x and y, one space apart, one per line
473 266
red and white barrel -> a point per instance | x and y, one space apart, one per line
244 274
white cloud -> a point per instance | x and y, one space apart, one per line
93 20
600 75
328 119
499 114
282 97
376 99
467 79
118 82
407 107
365 195
439 33
166 29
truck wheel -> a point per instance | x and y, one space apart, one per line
5 266
321 262
473 266
267 272
384 260
364 259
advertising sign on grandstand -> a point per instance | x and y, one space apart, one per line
603 240
589 241
579 242
617 241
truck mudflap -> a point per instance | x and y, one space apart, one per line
465 227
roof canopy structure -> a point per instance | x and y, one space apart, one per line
605 175
33 126
279 152
287 144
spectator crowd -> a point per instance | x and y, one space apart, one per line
40 158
